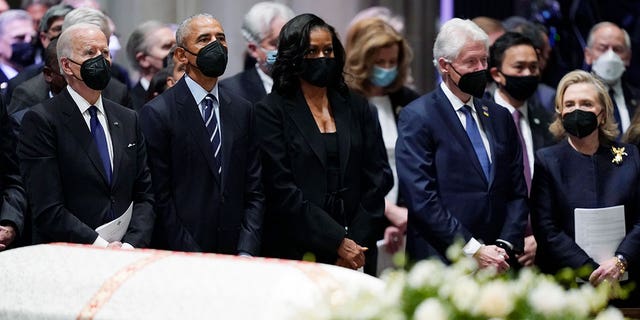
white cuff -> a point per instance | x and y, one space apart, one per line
100 242
471 247
127 246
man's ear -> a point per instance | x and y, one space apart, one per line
252 49
180 55
442 65
588 56
64 64
142 62
495 74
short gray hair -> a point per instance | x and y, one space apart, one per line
453 35
12 15
183 28
89 16
65 41
138 40
590 40
257 22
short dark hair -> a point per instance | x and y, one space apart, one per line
504 42
292 47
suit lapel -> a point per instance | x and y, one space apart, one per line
117 139
230 129
342 117
75 123
301 114
190 116
484 117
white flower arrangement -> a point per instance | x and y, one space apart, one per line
432 290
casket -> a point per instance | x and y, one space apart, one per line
62 281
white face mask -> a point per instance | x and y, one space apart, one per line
609 67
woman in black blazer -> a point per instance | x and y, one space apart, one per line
325 172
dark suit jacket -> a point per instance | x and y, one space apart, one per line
65 180
138 97
13 202
631 97
566 179
36 90
446 192
246 84
539 121
24 75
545 97
294 158
199 210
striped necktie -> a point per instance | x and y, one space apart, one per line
208 104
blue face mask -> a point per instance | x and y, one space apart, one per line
383 77
271 56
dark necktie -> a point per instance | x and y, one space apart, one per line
213 128
616 112
476 140
525 155
100 139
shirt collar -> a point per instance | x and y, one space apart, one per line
454 100
82 103
267 81
198 92
497 97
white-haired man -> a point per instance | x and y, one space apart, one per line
261 28
458 162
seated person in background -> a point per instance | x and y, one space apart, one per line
588 169
377 66
260 28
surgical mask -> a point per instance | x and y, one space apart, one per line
520 88
383 77
580 123
270 56
609 66
23 54
320 72
211 59
95 72
472 83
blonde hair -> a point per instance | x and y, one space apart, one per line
364 39
608 130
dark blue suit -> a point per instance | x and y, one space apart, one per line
246 84
199 209
566 179
445 189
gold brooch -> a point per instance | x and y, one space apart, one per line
617 154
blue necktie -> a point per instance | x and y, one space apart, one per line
100 139
616 112
476 140
213 128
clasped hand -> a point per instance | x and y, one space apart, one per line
492 256
350 254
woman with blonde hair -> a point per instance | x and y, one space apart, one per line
588 169
377 66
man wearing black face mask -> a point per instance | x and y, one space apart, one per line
202 154
16 50
83 158
515 69
458 162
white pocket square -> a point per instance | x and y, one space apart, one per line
131 145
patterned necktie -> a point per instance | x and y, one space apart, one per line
208 104
525 154
616 112
100 139
474 135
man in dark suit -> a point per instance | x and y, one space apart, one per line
459 166
147 47
13 202
83 158
608 52
515 69
202 153
261 28
50 82
16 50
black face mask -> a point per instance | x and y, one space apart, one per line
580 123
211 59
320 72
23 54
95 72
472 83
520 88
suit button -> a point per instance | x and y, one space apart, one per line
113 200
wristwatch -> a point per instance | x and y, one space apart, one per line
621 263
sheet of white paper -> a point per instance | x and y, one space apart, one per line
385 259
600 231
115 230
